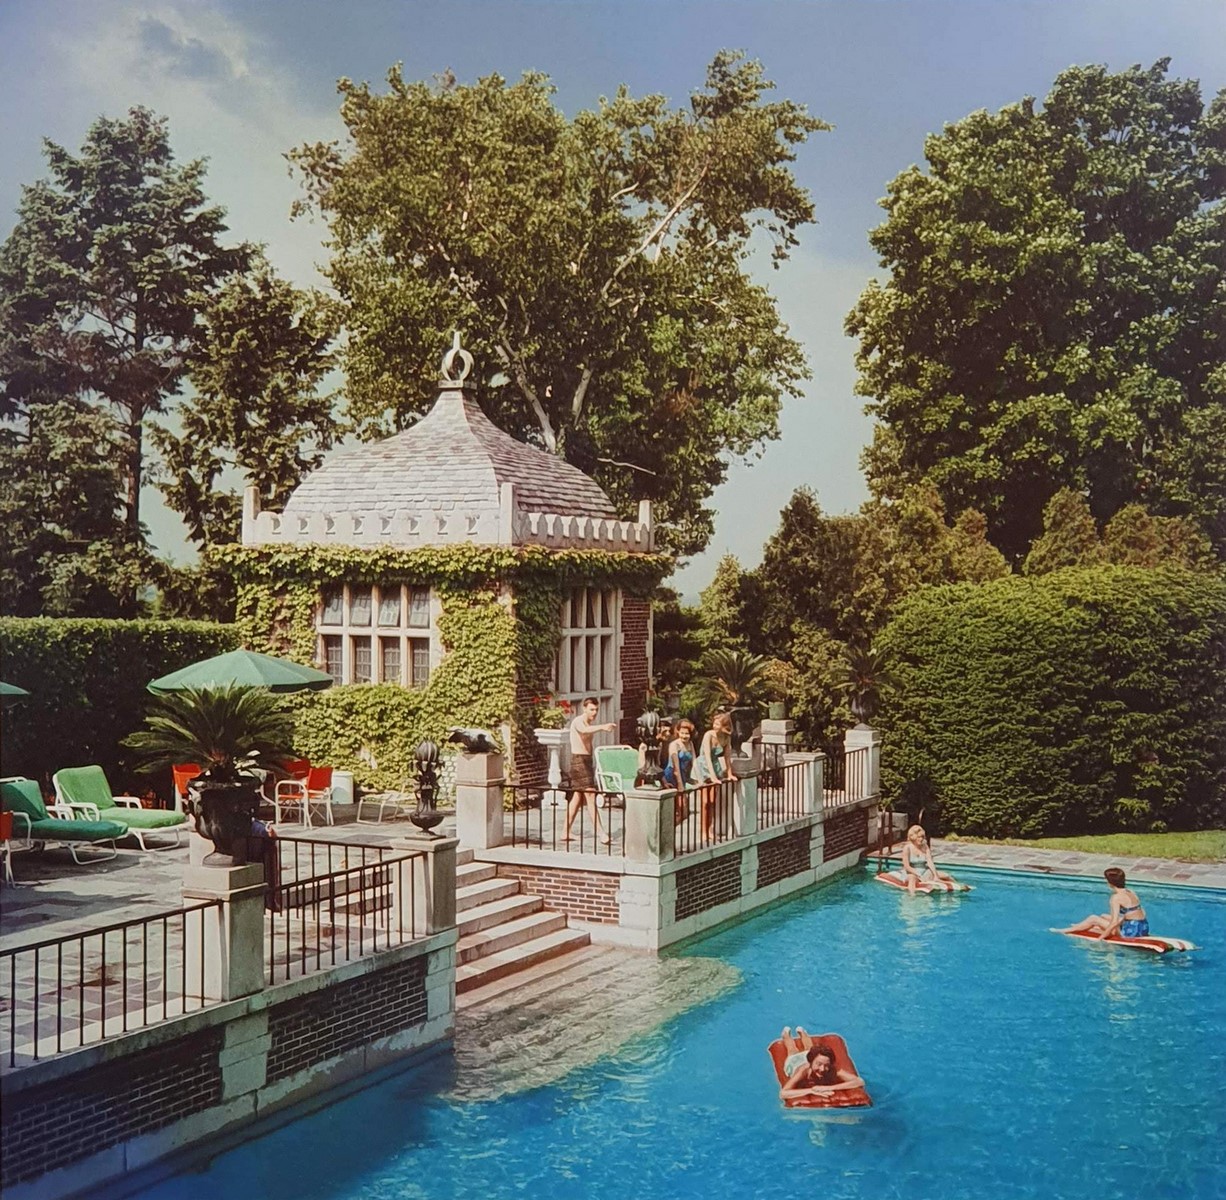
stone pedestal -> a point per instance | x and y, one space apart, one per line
224 946
745 807
813 793
478 800
431 880
649 825
553 740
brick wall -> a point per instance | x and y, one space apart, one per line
53 1125
845 832
584 895
635 662
783 857
314 1028
531 759
708 884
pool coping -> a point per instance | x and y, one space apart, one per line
1047 864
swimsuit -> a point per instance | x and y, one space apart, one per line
1132 929
686 759
700 764
793 1062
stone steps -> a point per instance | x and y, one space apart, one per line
503 931
504 936
506 962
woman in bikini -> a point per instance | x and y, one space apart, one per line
713 766
1127 916
811 1068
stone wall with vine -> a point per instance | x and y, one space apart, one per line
498 625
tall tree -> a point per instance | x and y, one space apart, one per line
262 350
1055 312
116 289
724 608
597 264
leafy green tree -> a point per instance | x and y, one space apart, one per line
845 574
676 643
723 607
1055 312
262 351
597 264
100 283
1069 539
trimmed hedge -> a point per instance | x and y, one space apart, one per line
87 678
1089 700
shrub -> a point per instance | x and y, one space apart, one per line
1087 700
87 678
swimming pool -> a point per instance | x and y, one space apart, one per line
1004 1061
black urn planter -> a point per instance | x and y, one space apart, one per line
744 718
224 812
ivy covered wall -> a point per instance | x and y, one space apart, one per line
499 628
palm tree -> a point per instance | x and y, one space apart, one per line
229 731
732 676
866 675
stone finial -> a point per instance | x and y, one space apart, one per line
452 376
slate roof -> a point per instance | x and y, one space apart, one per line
453 458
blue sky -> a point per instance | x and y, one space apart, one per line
243 81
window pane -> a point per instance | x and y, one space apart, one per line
333 662
334 607
361 660
419 608
389 653
389 608
359 608
606 663
578 679
593 599
419 651
593 663
606 610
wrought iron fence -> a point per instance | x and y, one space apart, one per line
704 815
332 902
68 992
848 776
781 791
540 818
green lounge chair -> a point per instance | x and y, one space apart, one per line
34 821
616 767
87 792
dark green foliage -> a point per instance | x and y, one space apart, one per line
87 680
676 644
1087 700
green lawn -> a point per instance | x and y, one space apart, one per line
1206 846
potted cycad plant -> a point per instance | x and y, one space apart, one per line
732 679
236 734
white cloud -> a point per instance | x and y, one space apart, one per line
225 99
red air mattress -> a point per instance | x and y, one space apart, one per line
927 887
849 1098
1153 943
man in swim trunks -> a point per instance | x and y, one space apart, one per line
582 775
1126 918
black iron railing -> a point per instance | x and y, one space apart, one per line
67 992
332 902
781 792
536 822
705 814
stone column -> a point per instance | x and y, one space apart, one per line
814 777
862 737
224 945
431 878
478 800
649 824
745 809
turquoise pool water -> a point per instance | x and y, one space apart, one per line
1004 1061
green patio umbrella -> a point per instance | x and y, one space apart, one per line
244 667
10 692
